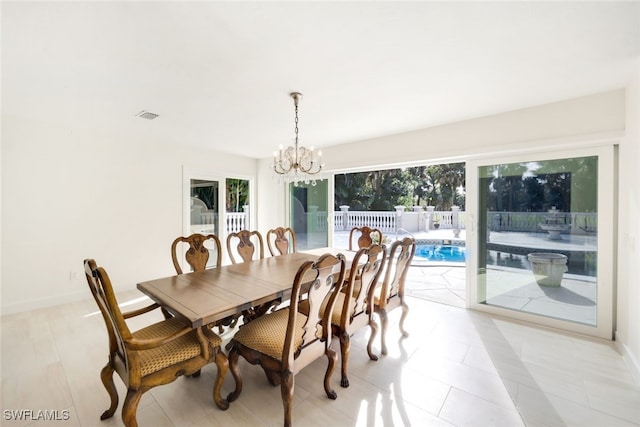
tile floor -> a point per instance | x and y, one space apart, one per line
457 368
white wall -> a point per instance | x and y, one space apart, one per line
598 114
70 194
628 327
271 202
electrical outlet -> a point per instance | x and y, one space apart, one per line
73 275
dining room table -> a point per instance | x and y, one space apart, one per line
204 297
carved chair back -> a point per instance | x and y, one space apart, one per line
366 270
355 305
117 329
326 273
241 246
391 294
281 240
198 251
366 237
400 257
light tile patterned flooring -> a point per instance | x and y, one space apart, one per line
457 368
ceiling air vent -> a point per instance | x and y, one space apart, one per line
144 114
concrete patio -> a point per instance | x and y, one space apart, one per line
511 288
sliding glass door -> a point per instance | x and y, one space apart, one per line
308 210
543 238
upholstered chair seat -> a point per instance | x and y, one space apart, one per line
266 334
182 348
285 341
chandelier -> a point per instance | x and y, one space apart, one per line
296 163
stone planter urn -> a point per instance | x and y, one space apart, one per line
548 268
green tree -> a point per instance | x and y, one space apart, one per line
391 189
382 190
446 179
237 194
351 189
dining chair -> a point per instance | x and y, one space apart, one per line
390 295
353 313
366 237
285 341
151 356
240 244
198 251
281 240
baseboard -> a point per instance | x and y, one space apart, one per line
43 302
631 359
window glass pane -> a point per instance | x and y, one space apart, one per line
538 250
204 218
309 214
237 205
204 206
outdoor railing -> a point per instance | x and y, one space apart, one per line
236 221
530 221
419 220
390 222
383 221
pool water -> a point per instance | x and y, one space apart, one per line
440 253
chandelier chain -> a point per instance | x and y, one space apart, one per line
296 128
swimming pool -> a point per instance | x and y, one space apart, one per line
442 253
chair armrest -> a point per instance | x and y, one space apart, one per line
140 311
138 344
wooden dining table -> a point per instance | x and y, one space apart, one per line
203 297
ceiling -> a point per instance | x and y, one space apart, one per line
219 74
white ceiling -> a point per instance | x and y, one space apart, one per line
219 73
